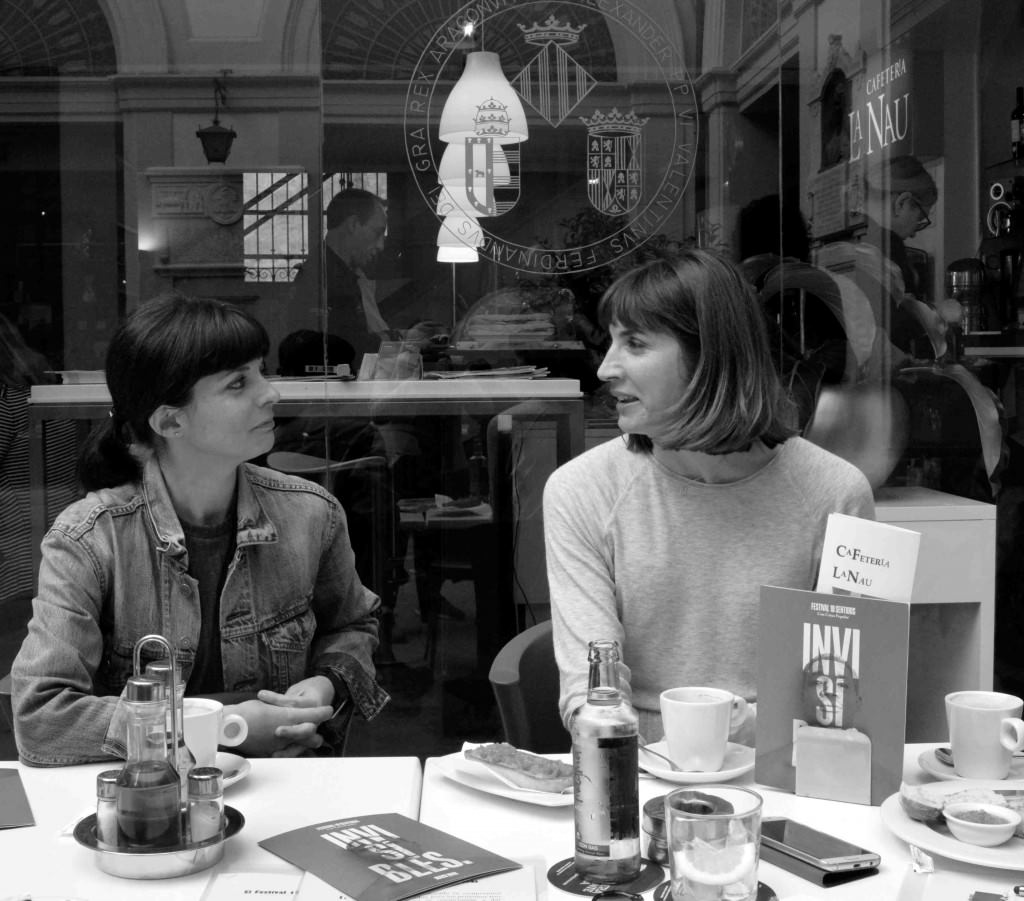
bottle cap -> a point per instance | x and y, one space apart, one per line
205 781
145 688
162 669
106 783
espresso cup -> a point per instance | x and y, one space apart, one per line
207 726
985 729
697 722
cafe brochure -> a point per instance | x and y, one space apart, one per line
868 558
832 694
384 856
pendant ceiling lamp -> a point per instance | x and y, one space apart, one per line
483 104
459 229
460 254
215 138
452 168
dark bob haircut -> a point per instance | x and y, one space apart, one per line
734 396
155 358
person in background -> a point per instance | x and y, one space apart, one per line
21 367
661 538
249 572
356 225
899 196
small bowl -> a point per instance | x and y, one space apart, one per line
997 828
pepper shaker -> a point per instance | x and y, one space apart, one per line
205 803
106 809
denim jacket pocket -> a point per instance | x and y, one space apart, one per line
287 645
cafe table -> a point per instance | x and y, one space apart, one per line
541 836
44 861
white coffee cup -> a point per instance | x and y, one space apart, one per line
697 722
207 726
985 729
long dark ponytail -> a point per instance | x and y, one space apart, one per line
155 357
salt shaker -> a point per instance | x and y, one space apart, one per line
205 803
106 809
655 843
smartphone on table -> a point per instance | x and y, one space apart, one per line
813 847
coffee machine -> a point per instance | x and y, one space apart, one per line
1002 256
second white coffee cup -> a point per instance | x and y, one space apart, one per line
985 729
697 722
207 726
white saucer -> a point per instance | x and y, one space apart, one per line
235 768
935 767
739 759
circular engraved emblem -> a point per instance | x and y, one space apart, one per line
224 203
630 147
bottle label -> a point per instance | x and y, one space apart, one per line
607 809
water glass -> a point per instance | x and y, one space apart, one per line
714 835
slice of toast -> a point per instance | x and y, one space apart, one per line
522 768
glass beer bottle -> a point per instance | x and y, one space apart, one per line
605 775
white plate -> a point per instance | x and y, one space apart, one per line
739 759
935 767
473 774
235 768
937 839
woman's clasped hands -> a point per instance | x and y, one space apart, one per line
285 725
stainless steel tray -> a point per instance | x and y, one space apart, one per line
139 863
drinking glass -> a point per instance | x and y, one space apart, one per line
714 834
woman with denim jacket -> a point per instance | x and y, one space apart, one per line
249 573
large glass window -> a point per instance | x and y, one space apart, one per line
421 189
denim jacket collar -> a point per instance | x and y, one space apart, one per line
254 525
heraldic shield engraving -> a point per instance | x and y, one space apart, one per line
615 179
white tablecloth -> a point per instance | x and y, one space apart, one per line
544 835
276 796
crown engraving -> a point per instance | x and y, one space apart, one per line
491 118
615 122
552 30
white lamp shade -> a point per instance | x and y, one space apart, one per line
484 104
452 169
453 199
461 254
459 230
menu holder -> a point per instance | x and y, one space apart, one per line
14 807
385 856
832 694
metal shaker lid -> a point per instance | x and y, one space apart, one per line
106 783
205 781
654 816
145 688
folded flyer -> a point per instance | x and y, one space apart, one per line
384 856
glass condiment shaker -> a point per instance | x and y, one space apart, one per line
106 809
205 803
655 844
184 759
148 788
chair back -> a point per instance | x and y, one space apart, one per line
6 706
524 677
